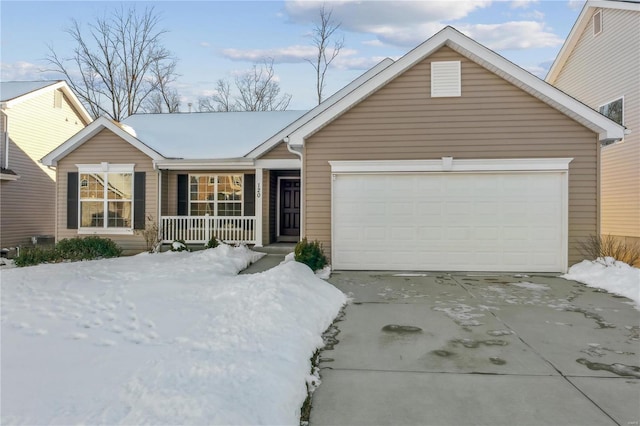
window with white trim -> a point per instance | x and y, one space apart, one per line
215 195
106 196
613 110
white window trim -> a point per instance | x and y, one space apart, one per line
619 141
105 168
215 191
597 13
438 92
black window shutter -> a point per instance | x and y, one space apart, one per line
249 195
72 200
183 195
139 185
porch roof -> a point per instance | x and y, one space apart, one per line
208 135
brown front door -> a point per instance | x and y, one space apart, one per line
290 207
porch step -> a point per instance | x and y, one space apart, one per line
276 248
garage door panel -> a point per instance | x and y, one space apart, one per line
456 221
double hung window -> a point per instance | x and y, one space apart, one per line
106 196
215 195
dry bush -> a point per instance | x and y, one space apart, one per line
596 246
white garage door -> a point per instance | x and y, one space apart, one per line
495 221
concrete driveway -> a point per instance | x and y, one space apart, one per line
479 349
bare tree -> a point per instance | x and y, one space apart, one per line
323 36
220 101
257 90
165 98
114 67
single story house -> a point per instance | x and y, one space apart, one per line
450 158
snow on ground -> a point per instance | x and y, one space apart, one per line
608 274
171 338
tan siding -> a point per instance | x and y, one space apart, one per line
28 204
599 70
107 147
492 119
279 152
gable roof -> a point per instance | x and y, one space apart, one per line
277 138
15 92
581 23
208 135
90 131
607 129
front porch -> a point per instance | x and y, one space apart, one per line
257 207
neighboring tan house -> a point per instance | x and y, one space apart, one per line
450 158
599 65
36 117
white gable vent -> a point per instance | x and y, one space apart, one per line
445 79
597 23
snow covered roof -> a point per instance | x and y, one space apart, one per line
14 89
206 135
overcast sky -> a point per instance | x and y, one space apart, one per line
218 39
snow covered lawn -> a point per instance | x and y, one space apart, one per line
172 338
608 274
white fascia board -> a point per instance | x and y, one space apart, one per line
284 164
297 137
271 142
578 27
569 43
213 164
446 164
606 128
531 84
88 132
55 85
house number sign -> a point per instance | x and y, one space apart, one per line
258 190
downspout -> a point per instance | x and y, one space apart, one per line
302 183
5 142
159 207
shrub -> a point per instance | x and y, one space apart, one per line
36 255
179 245
596 246
69 249
311 254
88 248
213 243
151 234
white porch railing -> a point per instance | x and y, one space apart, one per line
200 229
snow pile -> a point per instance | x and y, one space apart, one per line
608 274
171 338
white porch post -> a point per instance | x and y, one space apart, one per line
259 193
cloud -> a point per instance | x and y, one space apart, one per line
406 24
576 4
522 4
288 54
541 69
512 35
360 16
26 71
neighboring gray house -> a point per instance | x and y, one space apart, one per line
36 117
599 65
450 158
